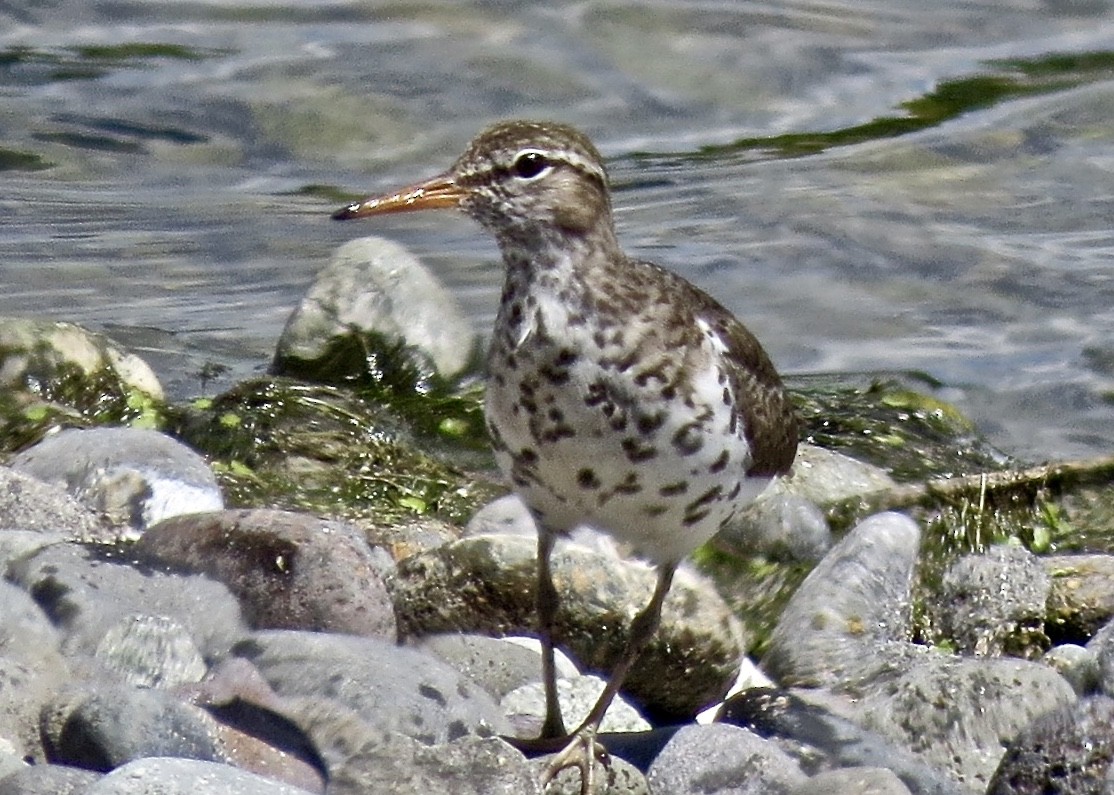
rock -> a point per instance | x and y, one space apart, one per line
389 687
134 476
498 665
27 503
47 351
1069 751
289 570
782 526
955 712
186 777
844 630
1082 596
1079 665
150 651
620 777
486 584
849 618
825 476
31 670
994 603
724 759
48 780
853 781
525 707
820 739
375 285
468 766
87 590
102 726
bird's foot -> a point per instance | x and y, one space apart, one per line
583 752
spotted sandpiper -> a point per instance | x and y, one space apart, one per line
619 395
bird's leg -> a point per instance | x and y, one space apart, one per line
583 751
547 602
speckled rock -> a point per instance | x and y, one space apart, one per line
48 780
136 477
391 688
100 727
486 584
31 670
150 651
995 603
87 589
844 630
853 781
166 776
467 766
289 570
1082 596
28 503
722 759
1068 751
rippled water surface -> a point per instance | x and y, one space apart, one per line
872 186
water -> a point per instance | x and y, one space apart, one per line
872 186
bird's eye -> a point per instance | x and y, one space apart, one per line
530 164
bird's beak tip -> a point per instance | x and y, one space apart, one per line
441 191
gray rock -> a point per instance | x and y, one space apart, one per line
995 602
100 727
486 584
165 776
805 725
388 687
495 664
844 629
150 651
374 284
525 707
1068 751
955 712
468 766
620 777
1082 597
48 780
31 669
783 526
289 570
849 618
87 590
27 503
724 760
48 349
853 781
826 476
1101 645
136 477
1077 664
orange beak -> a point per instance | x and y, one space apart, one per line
441 191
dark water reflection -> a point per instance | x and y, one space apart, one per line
872 186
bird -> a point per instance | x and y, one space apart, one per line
619 395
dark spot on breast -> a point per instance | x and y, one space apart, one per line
650 422
720 463
710 495
637 450
566 357
527 456
726 396
688 439
673 489
655 510
556 414
693 518
586 479
668 392
596 394
735 491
